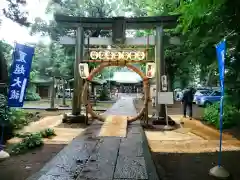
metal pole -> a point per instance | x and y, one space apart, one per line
166 116
79 55
160 70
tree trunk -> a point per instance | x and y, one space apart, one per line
64 92
209 78
53 93
184 83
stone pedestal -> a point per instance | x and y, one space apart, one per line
70 118
168 128
219 172
156 120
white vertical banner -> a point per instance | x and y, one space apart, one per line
83 70
153 90
164 82
150 70
153 94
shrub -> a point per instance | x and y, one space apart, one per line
47 133
4 120
18 118
30 141
104 95
230 115
32 96
12 118
3 109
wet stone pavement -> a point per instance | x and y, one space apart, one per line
123 107
90 157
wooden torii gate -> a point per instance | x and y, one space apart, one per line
118 25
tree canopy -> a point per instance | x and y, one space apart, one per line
15 12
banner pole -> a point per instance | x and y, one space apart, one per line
218 171
221 131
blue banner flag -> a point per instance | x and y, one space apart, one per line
19 74
221 53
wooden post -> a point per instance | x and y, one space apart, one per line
76 103
160 70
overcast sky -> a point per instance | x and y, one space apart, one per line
11 31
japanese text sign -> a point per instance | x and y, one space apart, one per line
19 74
221 51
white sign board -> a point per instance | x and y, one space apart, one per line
164 82
150 70
165 98
83 70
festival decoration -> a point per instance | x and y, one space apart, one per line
117 55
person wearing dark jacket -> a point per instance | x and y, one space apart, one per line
187 102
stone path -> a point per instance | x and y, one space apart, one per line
114 126
46 122
124 107
116 121
89 156
64 135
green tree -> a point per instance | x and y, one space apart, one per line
14 11
92 8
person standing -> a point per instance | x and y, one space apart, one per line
187 101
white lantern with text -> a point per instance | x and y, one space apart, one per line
150 70
117 55
83 70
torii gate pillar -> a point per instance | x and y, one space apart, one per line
78 82
160 71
